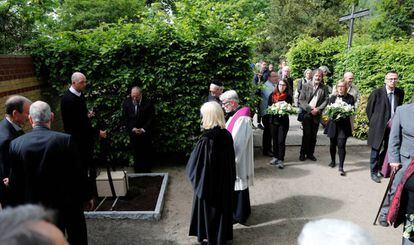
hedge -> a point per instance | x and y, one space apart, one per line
368 60
173 64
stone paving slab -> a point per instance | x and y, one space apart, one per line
282 202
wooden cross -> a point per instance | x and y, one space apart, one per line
352 17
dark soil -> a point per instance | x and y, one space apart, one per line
141 196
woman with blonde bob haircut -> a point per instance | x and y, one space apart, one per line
213 115
211 171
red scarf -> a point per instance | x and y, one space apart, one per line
276 97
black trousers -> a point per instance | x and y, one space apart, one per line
279 133
310 130
72 220
341 144
241 206
141 150
267 138
377 156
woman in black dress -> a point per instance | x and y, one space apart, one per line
339 130
279 125
211 171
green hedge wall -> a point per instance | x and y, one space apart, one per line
368 60
174 64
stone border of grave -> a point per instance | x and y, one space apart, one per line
143 215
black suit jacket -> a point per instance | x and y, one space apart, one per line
142 119
46 169
76 121
378 112
7 134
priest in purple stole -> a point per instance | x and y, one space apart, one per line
239 124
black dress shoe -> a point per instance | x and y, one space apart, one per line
375 178
312 157
302 158
342 172
383 221
332 164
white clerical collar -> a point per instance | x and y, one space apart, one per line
389 90
15 126
71 89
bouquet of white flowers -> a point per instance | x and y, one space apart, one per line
339 109
281 108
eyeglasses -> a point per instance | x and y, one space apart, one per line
283 85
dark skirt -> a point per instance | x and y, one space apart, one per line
242 210
210 223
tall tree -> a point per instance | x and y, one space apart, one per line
392 19
289 19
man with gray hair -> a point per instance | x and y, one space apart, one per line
239 124
29 225
46 169
17 111
77 123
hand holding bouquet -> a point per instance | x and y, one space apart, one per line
339 110
281 108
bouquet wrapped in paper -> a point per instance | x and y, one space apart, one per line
281 108
339 110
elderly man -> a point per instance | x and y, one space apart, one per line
29 224
216 89
76 122
286 77
240 126
138 114
266 91
46 169
400 151
17 111
312 100
380 109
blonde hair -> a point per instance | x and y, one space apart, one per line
212 115
344 82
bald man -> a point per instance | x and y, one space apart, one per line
77 123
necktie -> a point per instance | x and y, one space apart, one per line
391 100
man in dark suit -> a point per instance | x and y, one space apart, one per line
76 122
138 114
17 111
380 110
46 170
312 100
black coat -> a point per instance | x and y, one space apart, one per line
7 134
76 121
211 171
378 112
143 118
46 169
342 127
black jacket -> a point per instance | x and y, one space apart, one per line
46 169
7 134
76 121
342 127
276 119
142 119
378 112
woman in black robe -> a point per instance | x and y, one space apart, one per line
211 171
338 131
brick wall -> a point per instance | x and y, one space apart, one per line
17 76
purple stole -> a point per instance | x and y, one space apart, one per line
245 111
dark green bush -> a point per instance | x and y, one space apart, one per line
173 63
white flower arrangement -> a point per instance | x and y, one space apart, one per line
281 108
339 110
